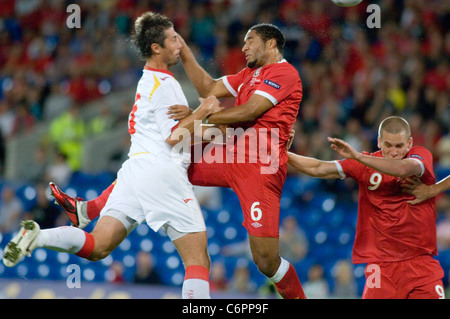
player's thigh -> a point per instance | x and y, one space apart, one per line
433 290
382 281
259 196
384 291
211 168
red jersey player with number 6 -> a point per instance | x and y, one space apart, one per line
268 94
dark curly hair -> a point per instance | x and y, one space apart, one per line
269 31
149 28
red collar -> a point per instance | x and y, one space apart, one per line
159 70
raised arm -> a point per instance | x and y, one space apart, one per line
394 167
313 167
202 81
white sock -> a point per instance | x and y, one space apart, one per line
196 283
63 239
195 289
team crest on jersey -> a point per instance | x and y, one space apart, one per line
272 84
257 72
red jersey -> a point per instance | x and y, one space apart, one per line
281 84
388 228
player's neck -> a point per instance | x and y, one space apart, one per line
272 59
157 64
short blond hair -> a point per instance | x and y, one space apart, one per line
394 125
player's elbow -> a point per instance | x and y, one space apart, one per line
172 142
249 114
179 137
408 168
252 116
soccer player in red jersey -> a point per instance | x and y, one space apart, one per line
397 240
268 94
254 162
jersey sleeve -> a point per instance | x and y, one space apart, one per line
425 159
349 168
277 84
232 82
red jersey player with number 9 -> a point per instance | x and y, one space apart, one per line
397 240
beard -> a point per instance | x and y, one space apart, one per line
251 64
173 61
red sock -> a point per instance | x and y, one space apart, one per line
94 206
88 246
289 286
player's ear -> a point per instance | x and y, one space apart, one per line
379 144
410 143
272 43
156 48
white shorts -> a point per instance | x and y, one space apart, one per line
158 192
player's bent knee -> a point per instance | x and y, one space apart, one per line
98 255
266 265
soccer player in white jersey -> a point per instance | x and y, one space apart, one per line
152 185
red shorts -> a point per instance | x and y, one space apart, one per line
259 194
415 278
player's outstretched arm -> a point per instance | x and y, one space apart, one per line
394 167
421 191
313 167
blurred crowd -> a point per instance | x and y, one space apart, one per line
353 76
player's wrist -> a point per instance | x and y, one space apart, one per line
359 156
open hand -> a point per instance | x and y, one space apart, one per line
178 112
413 185
290 140
343 148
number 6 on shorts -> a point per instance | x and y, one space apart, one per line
255 212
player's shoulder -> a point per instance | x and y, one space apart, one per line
284 65
419 149
154 79
284 69
158 75
419 152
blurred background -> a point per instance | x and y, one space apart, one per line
65 96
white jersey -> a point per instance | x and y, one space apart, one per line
148 122
152 185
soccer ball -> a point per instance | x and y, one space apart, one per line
346 3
